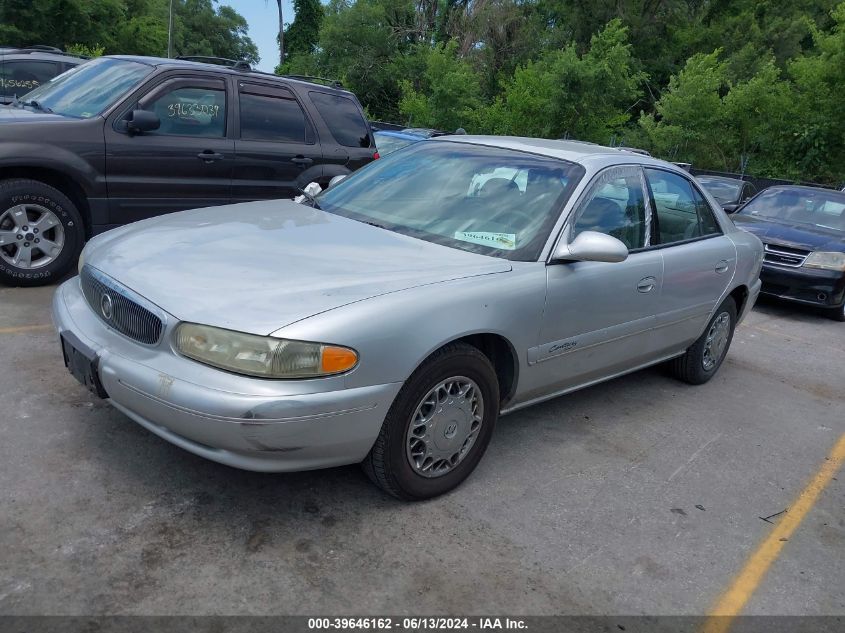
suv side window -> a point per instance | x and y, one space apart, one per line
616 204
272 114
682 212
343 119
22 76
191 111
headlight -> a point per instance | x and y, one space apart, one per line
826 261
262 356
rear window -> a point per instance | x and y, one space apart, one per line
343 118
19 77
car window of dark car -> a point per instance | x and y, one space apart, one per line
273 118
20 76
748 190
682 213
191 111
616 205
343 119
800 206
90 88
724 191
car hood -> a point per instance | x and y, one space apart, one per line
792 234
259 266
11 114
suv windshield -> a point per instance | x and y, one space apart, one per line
476 198
818 207
90 88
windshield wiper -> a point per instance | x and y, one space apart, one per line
309 197
34 104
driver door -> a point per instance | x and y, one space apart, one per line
185 164
598 315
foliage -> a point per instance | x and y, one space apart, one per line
136 27
719 83
85 51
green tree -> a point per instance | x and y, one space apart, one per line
303 34
587 96
445 95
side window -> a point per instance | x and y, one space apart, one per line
19 77
616 205
343 119
748 190
187 111
273 118
682 213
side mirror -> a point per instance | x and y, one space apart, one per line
141 121
336 180
592 246
731 207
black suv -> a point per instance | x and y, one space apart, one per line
123 138
24 69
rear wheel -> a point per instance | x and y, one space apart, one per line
41 233
704 357
439 426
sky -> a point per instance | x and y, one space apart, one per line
263 19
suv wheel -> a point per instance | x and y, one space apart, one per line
41 233
438 428
838 314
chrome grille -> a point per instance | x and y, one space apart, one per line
120 308
784 256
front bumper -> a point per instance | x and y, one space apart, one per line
824 288
249 423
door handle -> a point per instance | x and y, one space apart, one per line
210 156
646 284
722 266
302 161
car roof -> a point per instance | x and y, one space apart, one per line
161 62
808 189
735 181
403 135
582 152
9 54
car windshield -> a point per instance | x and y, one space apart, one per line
90 88
816 207
388 143
476 198
723 190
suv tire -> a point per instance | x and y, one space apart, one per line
41 233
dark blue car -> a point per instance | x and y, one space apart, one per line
803 232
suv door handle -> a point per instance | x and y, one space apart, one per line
210 156
302 161
722 266
646 284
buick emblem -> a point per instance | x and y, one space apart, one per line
106 307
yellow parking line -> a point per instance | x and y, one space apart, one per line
733 601
25 328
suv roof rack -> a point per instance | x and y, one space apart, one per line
38 48
220 61
333 83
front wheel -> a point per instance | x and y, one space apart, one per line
41 233
838 314
439 426
703 359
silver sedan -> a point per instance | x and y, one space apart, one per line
392 319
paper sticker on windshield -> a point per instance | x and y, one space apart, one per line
504 241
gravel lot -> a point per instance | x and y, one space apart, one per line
639 496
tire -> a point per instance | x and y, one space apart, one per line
697 365
22 260
838 314
389 463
